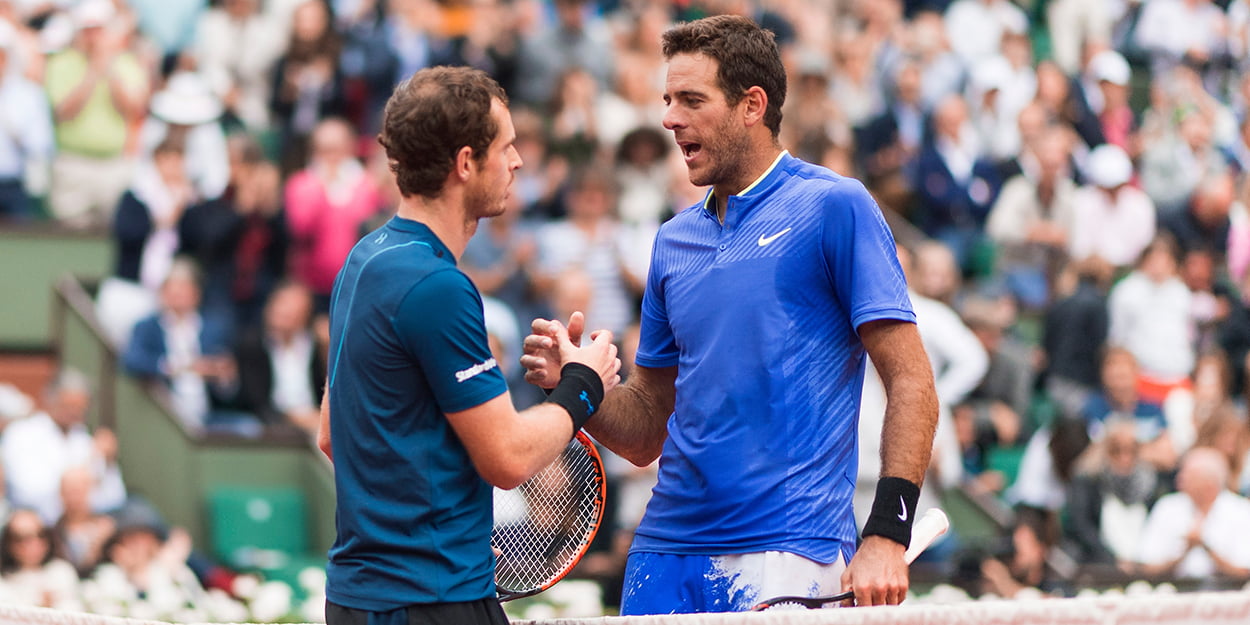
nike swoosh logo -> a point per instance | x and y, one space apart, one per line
766 240
902 516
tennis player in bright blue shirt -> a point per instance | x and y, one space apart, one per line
417 418
761 306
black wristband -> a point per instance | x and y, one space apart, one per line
580 392
893 510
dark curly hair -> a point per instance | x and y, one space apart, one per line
430 117
747 56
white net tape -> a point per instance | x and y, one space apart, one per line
1206 608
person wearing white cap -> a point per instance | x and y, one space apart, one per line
25 131
97 90
1111 218
187 106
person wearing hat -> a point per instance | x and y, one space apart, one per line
25 131
97 89
1111 218
187 108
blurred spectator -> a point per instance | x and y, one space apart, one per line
1191 32
955 185
235 50
188 353
29 569
1024 561
1189 408
1074 332
1108 502
935 272
942 72
887 145
1112 219
281 371
25 133
185 111
143 560
1049 463
854 83
80 533
1174 165
146 233
1031 221
1227 432
38 450
1108 98
635 102
240 242
1152 316
1120 399
643 176
1005 392
169 25
98 91
572 129
327 205
1196 532
307 81
975 28
1072 25
578 38
1057 96
592 239
1204 223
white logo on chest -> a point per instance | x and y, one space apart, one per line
769 239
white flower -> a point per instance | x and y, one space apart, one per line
313 610
272 602
244 586
313 580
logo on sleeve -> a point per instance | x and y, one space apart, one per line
476 370
590 408
902 516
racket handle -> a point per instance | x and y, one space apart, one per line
928 527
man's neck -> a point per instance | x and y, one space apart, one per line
754 167
444 216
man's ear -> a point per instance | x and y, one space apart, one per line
464 163
754 103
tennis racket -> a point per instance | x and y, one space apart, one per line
928 527
544 526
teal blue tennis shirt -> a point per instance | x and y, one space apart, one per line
759 316
407 345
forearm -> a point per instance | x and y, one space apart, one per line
131 102
72 104
910 422
633 421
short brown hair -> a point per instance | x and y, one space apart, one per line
747 56
430 117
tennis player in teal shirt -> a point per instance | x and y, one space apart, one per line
417 418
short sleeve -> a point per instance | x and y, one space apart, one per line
861 256
657 347
441 324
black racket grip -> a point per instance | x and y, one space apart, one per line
810 603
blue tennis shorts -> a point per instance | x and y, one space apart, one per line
663 583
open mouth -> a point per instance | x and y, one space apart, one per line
690 150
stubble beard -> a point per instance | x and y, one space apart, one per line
724 157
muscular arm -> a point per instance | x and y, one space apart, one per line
633 422
878 573
911 401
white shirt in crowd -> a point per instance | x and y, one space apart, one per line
1116 230
1173 516
292 383
36 452
1155 323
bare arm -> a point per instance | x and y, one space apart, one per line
131 102
878 573
633 419
323 428
508 447
911 402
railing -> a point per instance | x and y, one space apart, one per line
159 458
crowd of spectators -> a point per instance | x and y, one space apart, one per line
1067 180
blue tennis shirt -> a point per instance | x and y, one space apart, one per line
407 345
759 315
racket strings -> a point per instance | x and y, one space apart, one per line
542 527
